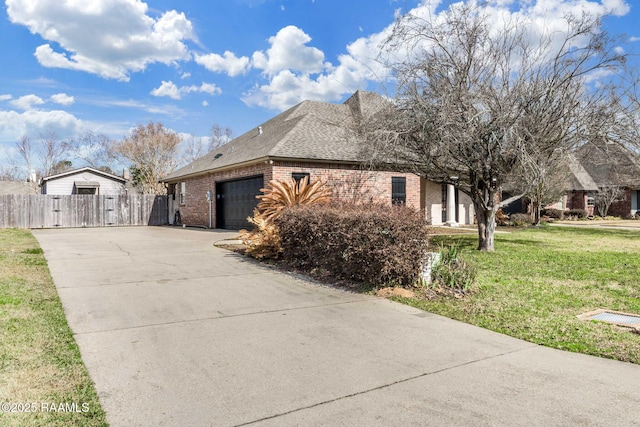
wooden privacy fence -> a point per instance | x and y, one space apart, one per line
47 211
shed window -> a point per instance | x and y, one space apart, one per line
86 187
298 176
398 190
183 192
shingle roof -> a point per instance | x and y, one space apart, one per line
311 130
610 163
579 179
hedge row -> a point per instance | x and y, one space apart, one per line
372 243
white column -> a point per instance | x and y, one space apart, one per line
451 206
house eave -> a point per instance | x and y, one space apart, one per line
213 170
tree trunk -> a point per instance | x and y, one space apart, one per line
486 228
535 207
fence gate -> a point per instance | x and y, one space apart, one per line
56 212
110 217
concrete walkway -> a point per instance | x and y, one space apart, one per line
177 332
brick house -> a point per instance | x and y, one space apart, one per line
611 164
313 139
580 189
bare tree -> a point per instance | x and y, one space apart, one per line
54 150
44 154
25 148
10 172
150 152
93 149
194 147
551 183
607 196
219 136
474 103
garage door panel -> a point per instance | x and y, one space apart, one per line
236 201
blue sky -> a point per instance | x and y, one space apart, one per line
73 66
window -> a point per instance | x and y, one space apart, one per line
398 190
86 191
591 199
183 192
297 176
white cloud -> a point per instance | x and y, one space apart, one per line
27 102
634 39
33 123
167 89
185 75
205 103
62 99
171 90
354 70
229 63
209 88
5 97
289 51
110 38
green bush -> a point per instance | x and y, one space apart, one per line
371 243
452 272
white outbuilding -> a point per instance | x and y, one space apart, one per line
85 180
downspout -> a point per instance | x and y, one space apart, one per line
210 199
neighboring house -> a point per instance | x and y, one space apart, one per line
83 181
612 165
580 189
314 139
18 187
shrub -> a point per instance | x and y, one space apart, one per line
452 272
264 240
520 219
576 213
551 213
282 194
502 218
371 243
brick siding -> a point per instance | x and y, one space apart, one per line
348 183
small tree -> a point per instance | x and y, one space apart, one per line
62 166
607 196
475 103
150 151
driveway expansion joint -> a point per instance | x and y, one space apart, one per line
388 385
202 319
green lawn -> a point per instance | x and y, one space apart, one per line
540 279
40 365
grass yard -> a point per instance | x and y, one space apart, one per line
540 279
40 366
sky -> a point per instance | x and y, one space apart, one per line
106 66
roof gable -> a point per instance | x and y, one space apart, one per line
79 171
610 163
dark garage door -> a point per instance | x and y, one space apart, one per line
236 200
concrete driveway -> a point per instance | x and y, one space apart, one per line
177 332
